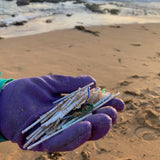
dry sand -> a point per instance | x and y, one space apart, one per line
125 59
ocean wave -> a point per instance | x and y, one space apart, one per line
122 11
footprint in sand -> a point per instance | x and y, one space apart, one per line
149 118
40 158
146 133
125 83
144 28
134 93
154 33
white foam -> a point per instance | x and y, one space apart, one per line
37 13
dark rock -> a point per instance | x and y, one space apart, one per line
82 28
1 38
2 24
78 2
48 21
23 2
13 15
115 26
94 8
19 23
52 1
68 15
113 11
26 2
36 0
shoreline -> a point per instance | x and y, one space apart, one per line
61 22
124 58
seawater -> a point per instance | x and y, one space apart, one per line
36 14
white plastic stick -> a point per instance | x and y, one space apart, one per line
46 138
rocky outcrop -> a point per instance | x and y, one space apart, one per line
53 1
26 2
19 23
2 24
94 8
23 2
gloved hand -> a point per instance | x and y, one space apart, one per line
22 101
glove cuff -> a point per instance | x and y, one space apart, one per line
2 84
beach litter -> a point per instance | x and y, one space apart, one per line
68 110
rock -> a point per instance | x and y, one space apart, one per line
1 38
113 11
26 2
94 8
68 15
37 0
82 28
2 24
52 1
13 15
115 26
48 21
19 23
78 2
23 2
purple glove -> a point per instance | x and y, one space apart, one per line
22 101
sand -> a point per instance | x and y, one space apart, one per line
123 58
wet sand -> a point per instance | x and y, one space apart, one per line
123 58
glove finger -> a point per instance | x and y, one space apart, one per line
68 140
101 124
67 84
110 111
117 103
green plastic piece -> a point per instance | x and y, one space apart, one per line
89 109
103 90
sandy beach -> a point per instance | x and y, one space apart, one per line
124 58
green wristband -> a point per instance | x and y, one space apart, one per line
2 84
2 139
